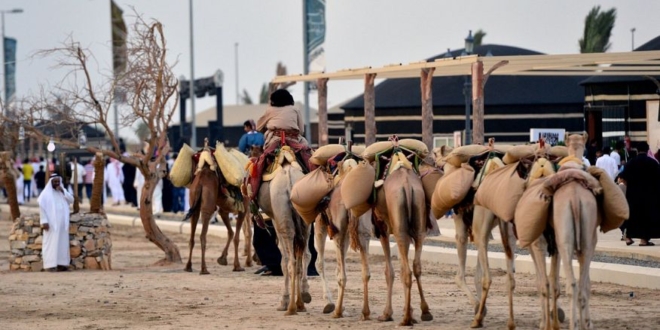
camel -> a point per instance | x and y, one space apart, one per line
206 198
401 210
292 233
347 227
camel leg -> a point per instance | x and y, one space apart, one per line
320 233
555 289
301 275
222 260
286 249
584 285
341 245
365 234
403 244
305 258
191 244
565 246
417 271
509 247
483 222
537 251
461 249
206 218
247 235
389 278
237 242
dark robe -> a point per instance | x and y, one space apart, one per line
642 175
265 246
168 192
130 194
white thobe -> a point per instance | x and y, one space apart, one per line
54 210
20 190
138 183
115 179
157 198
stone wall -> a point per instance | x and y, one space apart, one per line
90 244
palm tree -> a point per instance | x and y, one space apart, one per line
245 98
597 31
478 37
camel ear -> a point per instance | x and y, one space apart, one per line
586 137
566 135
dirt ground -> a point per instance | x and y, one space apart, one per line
137 296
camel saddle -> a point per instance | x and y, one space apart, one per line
285 154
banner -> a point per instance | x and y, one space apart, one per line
315 26
10 69
551 136
119 52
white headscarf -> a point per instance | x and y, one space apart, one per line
47 198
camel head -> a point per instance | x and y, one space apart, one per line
575 144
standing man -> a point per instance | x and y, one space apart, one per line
79 178
89 178
54 218
607 163
40 178
115 179
28 172
250 138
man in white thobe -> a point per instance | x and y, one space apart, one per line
54 218
115 179
607 163
138 183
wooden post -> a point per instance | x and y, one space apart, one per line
96 203
322 85
7 166
478 103
369 109
426 84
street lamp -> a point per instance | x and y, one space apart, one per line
467 89
2 37
50 148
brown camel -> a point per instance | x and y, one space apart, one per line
292 233
205 199
401 211
347 228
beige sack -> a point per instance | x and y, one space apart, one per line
371 151
503 148
500 191
357 187
463 154
181 172
559 151
358 150
430 178
517 152
321 155
308 191
451 189
448 168
490 166
417 146
241 157
308 214
613 201
230 166
531 216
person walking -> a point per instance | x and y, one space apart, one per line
607 163
89 178
79 178
28 172
115 179
40 179
54 219
642 178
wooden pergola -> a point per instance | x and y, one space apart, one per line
639 63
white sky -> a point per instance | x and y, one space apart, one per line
358 33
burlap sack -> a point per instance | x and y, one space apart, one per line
490 166
517 152
308 214
322 154
308 191
462 154
502 148
613 201
567 174
358 150
430 177
181 172
241 157
357 186
231 168
448 168
559 151
451 189
371 151
415 145
531 216
500 191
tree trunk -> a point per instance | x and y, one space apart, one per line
76 200
478 102
96 204
10 185
322 85
369 109
426 82
154 234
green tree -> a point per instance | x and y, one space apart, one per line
597 31
478 37
246 99
263 95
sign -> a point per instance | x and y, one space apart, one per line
315 26
10 69
552 136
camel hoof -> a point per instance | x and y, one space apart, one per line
282 308
406 323
222 261
204 272
476 309
307 298
365 317
385 318
248 264
427 317
238 269
302 309
476 324
188 269
289 313
337 315
561 315
329 308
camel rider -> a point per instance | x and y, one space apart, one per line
281 123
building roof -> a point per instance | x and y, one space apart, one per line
448 90
236 115
653 44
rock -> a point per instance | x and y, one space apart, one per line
73 230
34 246
91 263
75 251
89 245
18 260
31 258
37 266
18 252
12 237
39 240
18 245
100 243
84 229
14 267
74 242
78 264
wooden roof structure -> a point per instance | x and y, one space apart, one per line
637 63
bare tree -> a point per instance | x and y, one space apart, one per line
150 89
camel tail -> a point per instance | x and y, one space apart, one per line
196 202
353 226
299 242
409 196
577 221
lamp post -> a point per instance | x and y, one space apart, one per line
2 36
467 89
50 148
193 140
632 32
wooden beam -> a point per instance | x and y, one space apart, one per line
369 109
426 84
322 90
478 103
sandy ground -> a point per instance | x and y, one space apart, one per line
137 296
